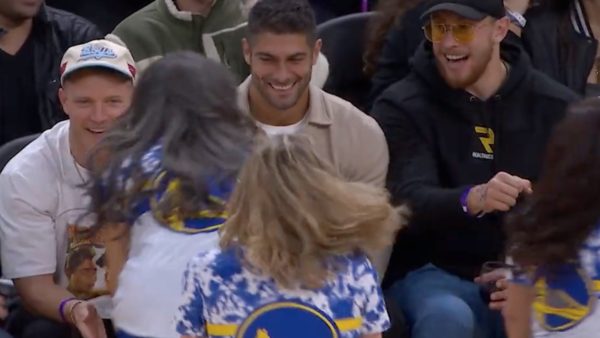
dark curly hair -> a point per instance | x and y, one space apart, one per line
282 17
389 13
551 225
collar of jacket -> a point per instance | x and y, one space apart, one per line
426 69
171 8
579 20
42 15
318 112
462 103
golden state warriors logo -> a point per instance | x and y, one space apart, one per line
564 300
288 320
487 138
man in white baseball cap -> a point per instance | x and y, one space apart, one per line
59 276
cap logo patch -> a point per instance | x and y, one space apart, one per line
63 67
132 70
97 52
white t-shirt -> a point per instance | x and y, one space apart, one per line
282 130
41 208
567 301
150 284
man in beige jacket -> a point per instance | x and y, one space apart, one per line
281 48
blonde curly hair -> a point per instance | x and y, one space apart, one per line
291 214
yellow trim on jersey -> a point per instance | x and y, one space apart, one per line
349 324
225 330
221 330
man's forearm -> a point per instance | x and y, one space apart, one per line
436 205
42 296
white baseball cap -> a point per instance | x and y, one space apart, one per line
98 53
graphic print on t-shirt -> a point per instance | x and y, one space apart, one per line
485 147
84 266
272 321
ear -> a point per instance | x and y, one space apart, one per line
501 29
317 50
247 50
62 96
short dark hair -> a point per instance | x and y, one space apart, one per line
77 257
282 17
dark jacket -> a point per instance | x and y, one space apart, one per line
557 49
106 14
437 139
54 32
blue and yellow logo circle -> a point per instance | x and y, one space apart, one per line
564 300
288 320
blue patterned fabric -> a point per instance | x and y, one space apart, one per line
159 185
223 298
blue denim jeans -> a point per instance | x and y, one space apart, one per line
437 304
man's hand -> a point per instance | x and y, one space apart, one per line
499 296
499 194
85 317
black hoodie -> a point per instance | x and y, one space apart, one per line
443 140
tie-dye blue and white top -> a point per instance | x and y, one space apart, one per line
223 298
566 302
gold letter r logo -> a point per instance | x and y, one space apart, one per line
487 138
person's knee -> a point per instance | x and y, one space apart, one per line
448 313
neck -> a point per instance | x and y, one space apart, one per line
265 113
12 24
592 9
491 79
195 6
78 152
14 35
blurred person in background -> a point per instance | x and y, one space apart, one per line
213 28
33 39
104 13
561 36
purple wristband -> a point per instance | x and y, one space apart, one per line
61 307
463 203
463 199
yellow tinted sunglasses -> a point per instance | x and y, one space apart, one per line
462 32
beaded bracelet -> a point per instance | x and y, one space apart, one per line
61 307
71 316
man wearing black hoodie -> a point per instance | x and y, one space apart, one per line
466 130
